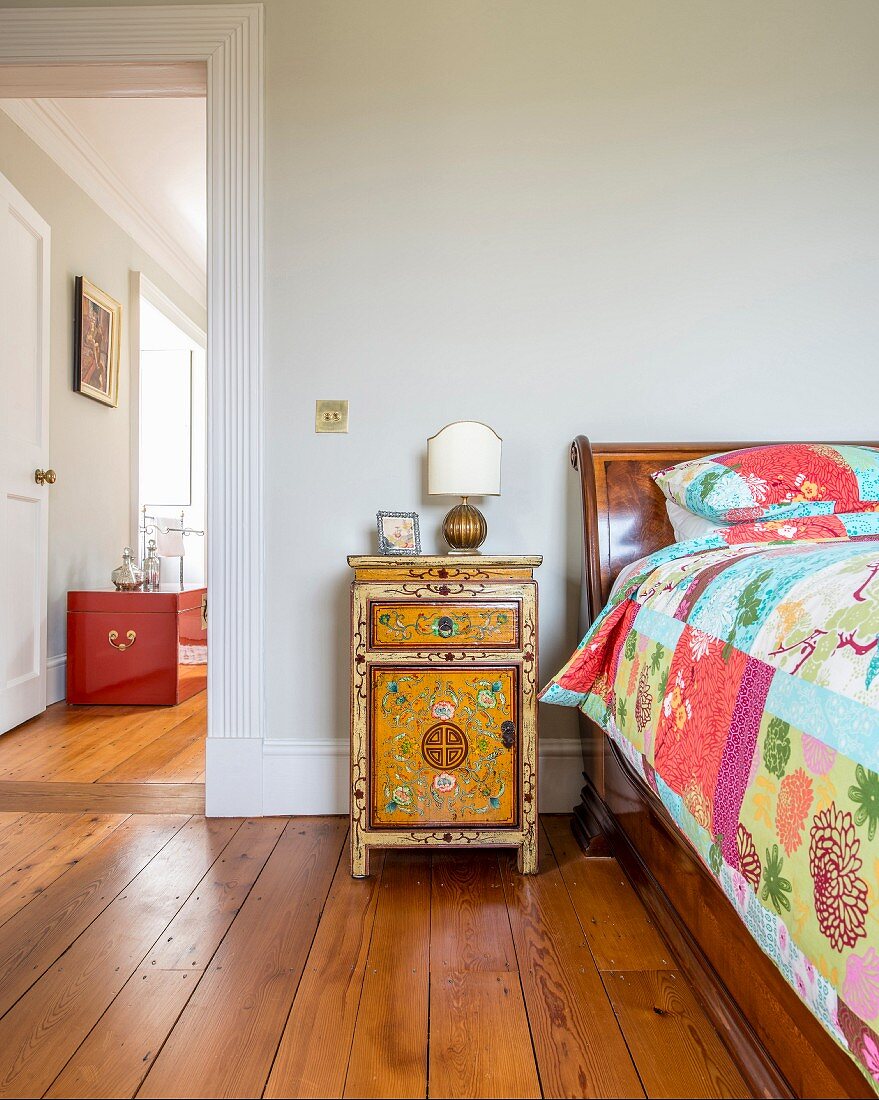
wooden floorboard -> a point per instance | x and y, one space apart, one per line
41 931
236 1016
27 833
674 1046
328 997
192 937
148 763
620 933
389 1051
8 820
125 798
480 1043
118 1052
185 766
469 925
170 955
579 1046
99 743
44 1028
28 879
106 745
50 746
57 728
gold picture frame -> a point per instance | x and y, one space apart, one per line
98 331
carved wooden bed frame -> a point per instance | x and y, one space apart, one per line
780 1047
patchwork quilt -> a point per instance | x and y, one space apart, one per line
739 675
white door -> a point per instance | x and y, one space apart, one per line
24 449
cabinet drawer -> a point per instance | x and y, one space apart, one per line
441 624
444 746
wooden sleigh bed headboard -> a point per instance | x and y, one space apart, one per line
624 516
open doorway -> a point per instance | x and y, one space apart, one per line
218 51
169 428
111 193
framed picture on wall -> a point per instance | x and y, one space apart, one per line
98 327
398 533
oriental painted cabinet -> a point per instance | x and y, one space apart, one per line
443 704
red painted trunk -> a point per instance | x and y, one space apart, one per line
136 647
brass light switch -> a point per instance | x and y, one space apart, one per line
331 416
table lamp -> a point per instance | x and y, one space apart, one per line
464 460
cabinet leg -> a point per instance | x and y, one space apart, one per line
526 859
359 860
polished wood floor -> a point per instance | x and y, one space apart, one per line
170 955
112 759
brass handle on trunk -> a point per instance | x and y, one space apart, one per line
121 646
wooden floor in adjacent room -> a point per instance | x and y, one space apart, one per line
127 759
169 955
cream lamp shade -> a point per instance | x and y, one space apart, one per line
464 460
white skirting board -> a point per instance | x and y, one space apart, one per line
312 777
234 770
56 679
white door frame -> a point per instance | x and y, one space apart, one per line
229 39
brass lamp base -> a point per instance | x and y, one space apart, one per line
464 529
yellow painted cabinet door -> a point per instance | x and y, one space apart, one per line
444 745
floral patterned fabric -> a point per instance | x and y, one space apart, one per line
775 481
739 676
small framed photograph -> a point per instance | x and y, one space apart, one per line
398 533
96 343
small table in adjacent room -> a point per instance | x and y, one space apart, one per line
146 648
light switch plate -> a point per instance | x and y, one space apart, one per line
331 416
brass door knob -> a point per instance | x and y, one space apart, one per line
47 477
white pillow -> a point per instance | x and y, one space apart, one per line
687 525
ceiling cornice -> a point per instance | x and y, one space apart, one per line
52 129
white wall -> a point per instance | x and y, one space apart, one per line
90 505
636 219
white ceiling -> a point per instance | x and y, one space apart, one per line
157 147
